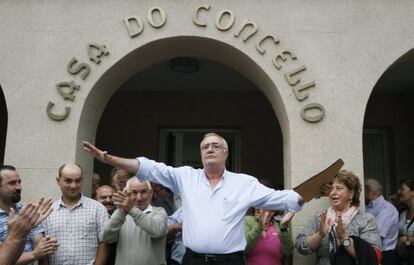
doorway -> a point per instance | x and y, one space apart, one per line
389 126
181 146
162 114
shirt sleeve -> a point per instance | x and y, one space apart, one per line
38 229
286 240
387 220
112 227
264 197
369 231
101 218
159 173
176 217
154 223
252 231
301 242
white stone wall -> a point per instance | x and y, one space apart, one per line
345 46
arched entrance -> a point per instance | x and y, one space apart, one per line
3 125
388 128
162 113
163 50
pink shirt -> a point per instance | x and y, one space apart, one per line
267 250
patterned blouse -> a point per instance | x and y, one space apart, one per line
362 225
404 223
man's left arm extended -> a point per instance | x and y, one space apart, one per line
266 198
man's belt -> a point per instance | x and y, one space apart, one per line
210 258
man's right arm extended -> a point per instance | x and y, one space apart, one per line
129 164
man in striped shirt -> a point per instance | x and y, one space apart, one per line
36 246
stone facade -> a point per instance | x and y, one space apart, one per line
298 53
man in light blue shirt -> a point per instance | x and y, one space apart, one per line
214 200
386 217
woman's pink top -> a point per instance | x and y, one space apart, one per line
267 250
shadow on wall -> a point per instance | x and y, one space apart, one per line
3 125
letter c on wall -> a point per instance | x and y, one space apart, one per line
54 116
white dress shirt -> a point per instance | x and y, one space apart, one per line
214 218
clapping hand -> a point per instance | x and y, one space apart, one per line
122 201
341 233
323 226
46 246
263 217
284 223
44 209
29 216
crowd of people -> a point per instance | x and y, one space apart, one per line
151 213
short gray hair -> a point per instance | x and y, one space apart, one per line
128 184
225 146
373 184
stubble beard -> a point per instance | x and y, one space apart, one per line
15 197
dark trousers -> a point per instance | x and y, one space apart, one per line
193 258
172 262
389 257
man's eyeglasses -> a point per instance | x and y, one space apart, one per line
215 147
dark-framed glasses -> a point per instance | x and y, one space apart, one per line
216 147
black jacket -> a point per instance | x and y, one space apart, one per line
365 254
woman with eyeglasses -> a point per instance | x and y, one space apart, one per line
405 243
342 234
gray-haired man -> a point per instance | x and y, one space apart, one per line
139 228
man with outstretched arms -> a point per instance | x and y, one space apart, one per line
214 200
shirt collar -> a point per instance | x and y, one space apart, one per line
17 208
378 201
148 209
61 204
221 179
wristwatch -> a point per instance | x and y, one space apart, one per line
346 242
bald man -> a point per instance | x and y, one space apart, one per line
76 221
386 216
